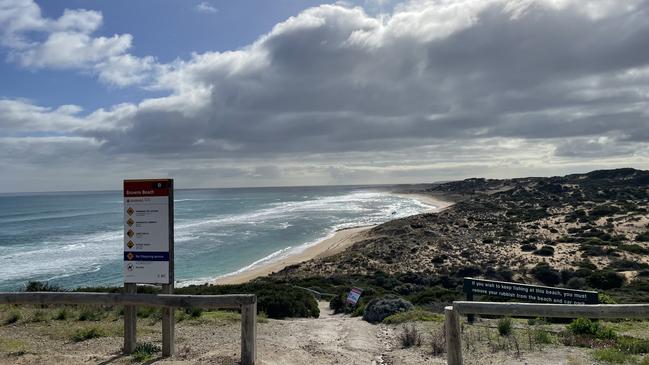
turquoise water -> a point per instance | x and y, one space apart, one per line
75 239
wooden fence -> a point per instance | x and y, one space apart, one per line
452 316
246 302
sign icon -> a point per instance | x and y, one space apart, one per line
130 267
130 233
130 256
130 244
130 222
130 211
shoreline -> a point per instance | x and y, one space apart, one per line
337 243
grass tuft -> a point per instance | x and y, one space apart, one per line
145 351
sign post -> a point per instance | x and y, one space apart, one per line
148 250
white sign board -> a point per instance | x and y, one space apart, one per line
148 244
354 295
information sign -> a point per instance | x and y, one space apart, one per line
528 293
354 295
148 231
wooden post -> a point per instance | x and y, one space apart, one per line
130 322
471 317
168 320
453 339
248 333
168 325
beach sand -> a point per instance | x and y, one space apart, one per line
330 246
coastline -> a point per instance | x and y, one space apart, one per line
337 243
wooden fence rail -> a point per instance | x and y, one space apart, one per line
246 302
452 313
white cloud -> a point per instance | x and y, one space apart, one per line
205 7
69 43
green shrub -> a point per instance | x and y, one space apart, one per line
642 237
90 314
545 251
146 312
544 337
605 280
33 286
435 295
414 315
12 317
576 283
144 351
380 308
194 313
37 316
612 356
505 326
62 314
87 334
546 275
277 300
632 345
605 299
588 328
527 247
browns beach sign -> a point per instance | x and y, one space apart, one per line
528 293
148 231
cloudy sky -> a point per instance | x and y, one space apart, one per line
263 93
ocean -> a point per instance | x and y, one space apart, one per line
76 239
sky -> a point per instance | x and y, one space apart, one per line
273 93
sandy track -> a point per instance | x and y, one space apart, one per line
331 339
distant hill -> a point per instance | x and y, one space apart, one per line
577 230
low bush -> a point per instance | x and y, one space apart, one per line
589 328
546 275
576 283
543 337
505 326
276 300
410 336
62 314
380 308
545 251
642 237
194 313
605 280
435 295
438 342
33 286
90 314
414 315
632 345
87 334
12 317
612 356
527 247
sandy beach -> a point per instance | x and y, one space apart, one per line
330 246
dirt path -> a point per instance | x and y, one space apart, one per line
330 339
